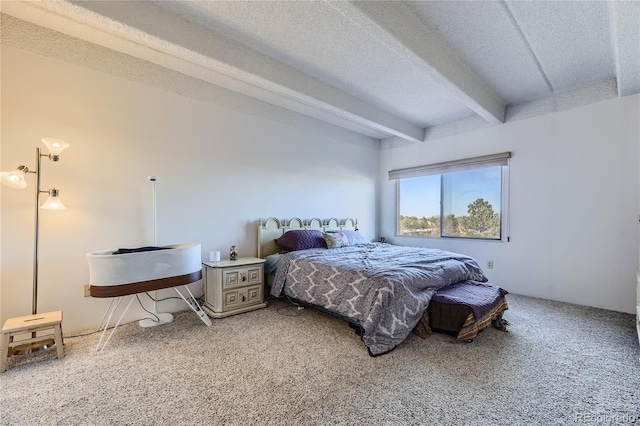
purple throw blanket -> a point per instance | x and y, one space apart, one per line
383 288
481 297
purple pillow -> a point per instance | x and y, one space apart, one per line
301 239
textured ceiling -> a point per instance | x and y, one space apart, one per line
403 70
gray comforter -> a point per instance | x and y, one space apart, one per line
383 288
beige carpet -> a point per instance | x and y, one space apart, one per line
559 363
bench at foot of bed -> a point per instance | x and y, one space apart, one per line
463 310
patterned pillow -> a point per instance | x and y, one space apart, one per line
336 240
354 237
301 239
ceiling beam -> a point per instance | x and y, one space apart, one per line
626 41
147 31
404 33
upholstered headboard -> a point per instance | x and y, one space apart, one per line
271 229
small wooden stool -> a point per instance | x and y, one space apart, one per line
29 324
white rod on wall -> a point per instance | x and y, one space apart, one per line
153 180
164 317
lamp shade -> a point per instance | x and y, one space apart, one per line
55 146
15 178
53 202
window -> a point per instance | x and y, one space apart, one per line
458 199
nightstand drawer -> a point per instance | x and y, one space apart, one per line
236 277
243 296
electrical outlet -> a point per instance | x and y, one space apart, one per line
86 290
490 264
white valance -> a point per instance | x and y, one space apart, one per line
501 159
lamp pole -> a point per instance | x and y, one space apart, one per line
36 239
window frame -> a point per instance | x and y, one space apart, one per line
502 160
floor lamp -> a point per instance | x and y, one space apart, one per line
16 179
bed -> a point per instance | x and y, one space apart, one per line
383 290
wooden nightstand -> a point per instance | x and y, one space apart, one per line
233 286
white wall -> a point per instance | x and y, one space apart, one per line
218 171
574 202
